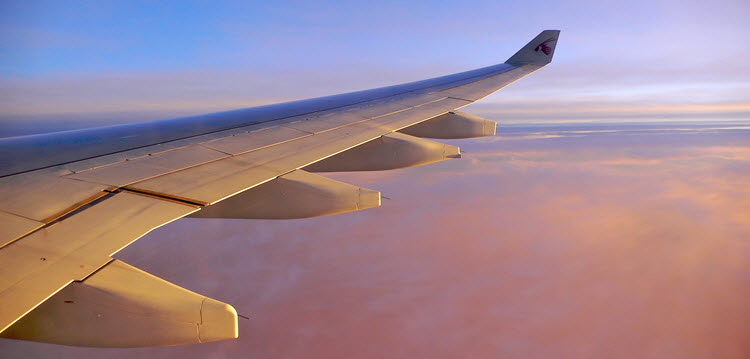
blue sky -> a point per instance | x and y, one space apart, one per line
152 60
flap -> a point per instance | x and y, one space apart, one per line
40 264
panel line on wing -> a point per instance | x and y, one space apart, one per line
164 196
76 206
485 77
15 227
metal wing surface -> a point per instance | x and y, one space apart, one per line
69 201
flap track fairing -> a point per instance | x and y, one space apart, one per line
123 306
392 151
453 125
297 194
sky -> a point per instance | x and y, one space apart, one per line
78 64
608 217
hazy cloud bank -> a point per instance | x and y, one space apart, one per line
615 241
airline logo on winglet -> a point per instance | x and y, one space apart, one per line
543 46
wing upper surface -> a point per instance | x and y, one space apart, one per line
63 214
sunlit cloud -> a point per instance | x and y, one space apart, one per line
544 110
629 241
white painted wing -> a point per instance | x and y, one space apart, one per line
69 201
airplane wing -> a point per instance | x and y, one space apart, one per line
70 200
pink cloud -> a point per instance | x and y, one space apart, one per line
523 252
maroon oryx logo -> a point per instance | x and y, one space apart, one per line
543 46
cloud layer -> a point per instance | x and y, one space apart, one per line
565 241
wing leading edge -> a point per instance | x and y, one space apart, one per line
71 200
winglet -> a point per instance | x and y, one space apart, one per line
537 52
